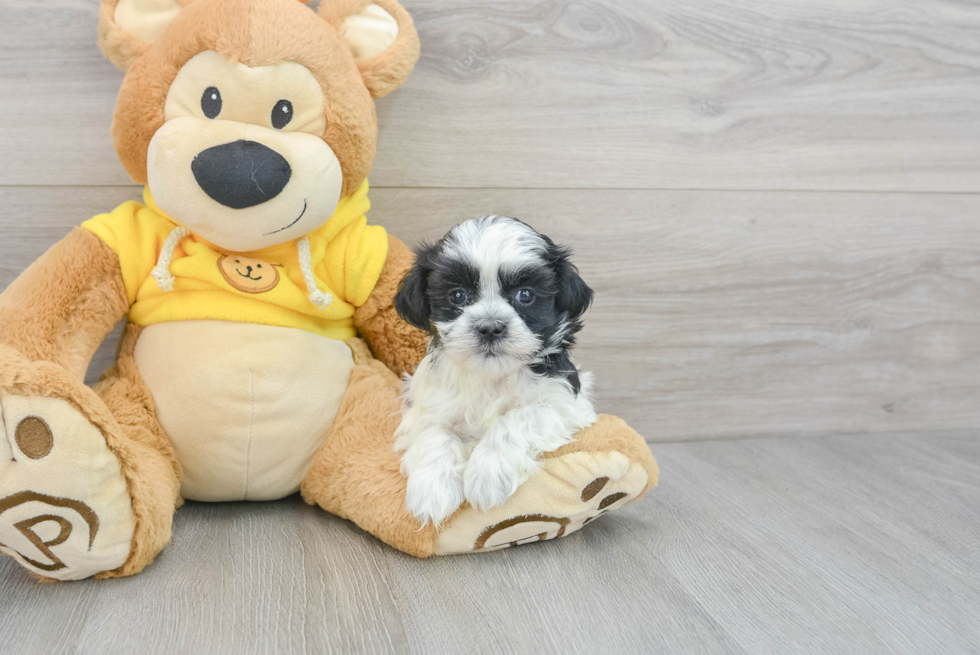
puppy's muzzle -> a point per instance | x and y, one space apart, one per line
491 331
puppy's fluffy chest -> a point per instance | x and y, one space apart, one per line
468 404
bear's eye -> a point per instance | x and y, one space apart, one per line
211 102
282 113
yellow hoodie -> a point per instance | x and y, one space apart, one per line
264 286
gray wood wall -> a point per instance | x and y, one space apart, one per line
778 203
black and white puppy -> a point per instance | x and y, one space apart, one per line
497 387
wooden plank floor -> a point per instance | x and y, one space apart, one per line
824 545
778 204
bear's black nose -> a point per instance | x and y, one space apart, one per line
241 174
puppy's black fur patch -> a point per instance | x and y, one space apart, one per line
572 298
445 279
559 365
412 300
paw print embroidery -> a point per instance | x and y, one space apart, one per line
592 490
26 527
65 510
567 493
515 531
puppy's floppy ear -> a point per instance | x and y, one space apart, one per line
574 295
381 36
412 299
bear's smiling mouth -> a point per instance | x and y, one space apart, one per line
248 275
291 224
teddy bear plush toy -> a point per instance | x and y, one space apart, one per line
262 349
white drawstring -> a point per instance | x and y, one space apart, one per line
317 297
161 273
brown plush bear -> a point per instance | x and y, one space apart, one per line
246 275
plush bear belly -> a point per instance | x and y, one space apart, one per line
246 406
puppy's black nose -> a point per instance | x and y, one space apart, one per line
492 330
241 174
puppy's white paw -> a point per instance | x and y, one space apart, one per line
491 478
434 494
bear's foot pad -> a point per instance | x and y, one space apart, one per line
567 493
65 510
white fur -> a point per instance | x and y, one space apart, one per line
473 424
472 436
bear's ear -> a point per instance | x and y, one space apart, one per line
381 36
128 27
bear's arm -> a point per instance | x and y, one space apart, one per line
62 307
393 341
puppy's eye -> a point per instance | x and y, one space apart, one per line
282 113
458 297
524 296
211 102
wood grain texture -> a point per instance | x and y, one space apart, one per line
826 545
718 314
724 314
764 94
